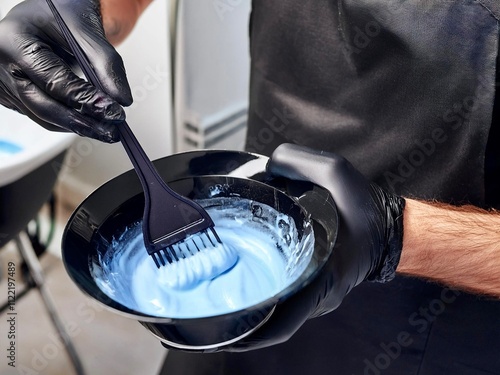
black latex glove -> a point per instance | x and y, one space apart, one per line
368 245
36 78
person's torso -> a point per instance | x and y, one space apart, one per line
405 91
402 89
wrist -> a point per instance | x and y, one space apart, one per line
120 16
455 246
414 254
393 241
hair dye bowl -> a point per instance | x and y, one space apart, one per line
282 235
270 257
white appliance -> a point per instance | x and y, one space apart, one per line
211 64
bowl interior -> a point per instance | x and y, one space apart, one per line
120 203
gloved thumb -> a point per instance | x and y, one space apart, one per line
297 162
331 171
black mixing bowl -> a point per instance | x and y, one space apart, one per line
197 175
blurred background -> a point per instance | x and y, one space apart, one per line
188 66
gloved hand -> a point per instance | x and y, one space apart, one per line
36 78
368 245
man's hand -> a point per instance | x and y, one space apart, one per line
368 245
36 76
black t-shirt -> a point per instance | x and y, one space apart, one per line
405 91
492 157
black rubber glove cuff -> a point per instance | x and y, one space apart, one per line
394 235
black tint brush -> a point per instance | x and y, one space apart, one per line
174 227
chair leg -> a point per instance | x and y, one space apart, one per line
36 273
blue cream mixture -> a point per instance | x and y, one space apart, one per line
261 255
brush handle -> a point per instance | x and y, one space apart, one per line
145 169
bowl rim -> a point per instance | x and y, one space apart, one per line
123 310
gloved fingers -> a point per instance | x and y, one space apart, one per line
371 217
49 113
108 65
292 313
329 170
109 68
360 219
323 295
8 100
53 75
283 323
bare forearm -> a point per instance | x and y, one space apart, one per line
120 17
457 246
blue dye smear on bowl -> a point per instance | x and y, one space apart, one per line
9 148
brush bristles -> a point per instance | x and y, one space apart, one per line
186 248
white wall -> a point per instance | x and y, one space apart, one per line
212 72
213 55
